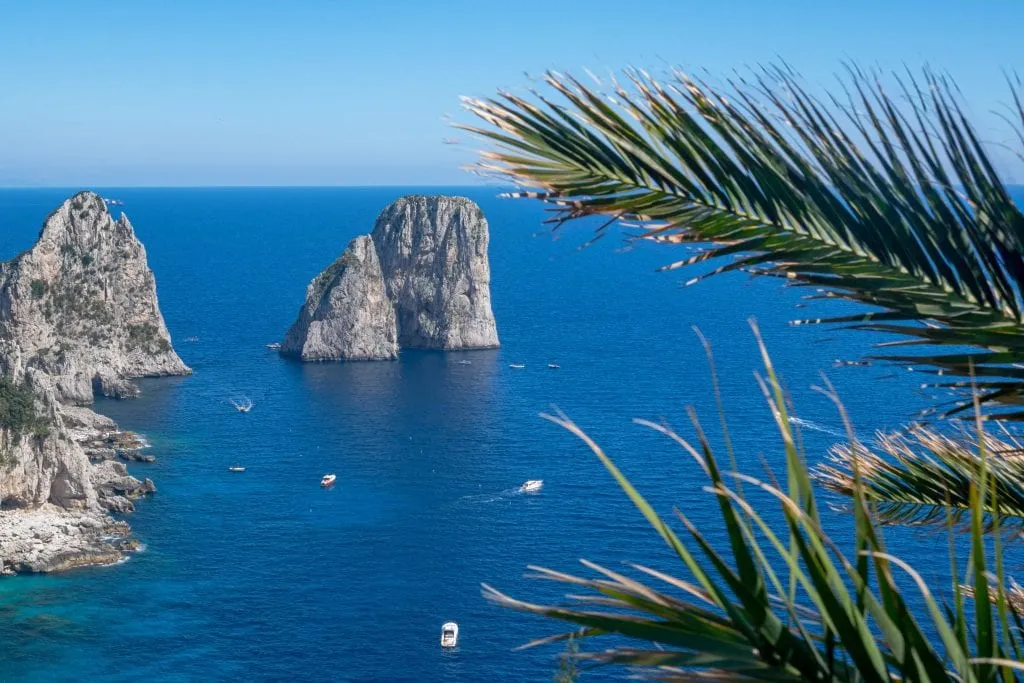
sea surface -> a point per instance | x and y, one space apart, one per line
265 576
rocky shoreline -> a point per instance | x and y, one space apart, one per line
51 539
78 318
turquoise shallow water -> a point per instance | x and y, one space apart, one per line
264 576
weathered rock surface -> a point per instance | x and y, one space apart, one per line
420 280
78 317
433 253
50 538
347 313
81 305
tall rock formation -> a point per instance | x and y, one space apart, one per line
433 253
347 313
81 305
78 316
428 257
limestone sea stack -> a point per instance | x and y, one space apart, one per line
78 316
347 313
420 280
81 306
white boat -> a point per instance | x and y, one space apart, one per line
554 366
274 346
244 405
532 486
465 362
236 468
517 366
449 634
328 480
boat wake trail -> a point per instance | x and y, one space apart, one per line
491 497
814 427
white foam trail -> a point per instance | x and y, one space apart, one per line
490 497
814 426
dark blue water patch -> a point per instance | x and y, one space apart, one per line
264 575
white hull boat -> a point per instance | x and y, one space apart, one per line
244 405
532 486
236 468
449 634
328 480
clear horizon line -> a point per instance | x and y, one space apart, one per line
242 186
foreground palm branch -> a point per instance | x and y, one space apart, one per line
785 603
925 477
885 201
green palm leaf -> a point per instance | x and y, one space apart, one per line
882 201
840 620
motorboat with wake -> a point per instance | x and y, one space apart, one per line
244 405
328 480
532 486
274 346
449 634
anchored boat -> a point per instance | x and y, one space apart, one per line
449 634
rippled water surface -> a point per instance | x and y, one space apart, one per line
265 576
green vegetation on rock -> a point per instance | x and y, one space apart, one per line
18 412
38 289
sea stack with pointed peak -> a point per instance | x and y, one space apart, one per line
78 317
420 280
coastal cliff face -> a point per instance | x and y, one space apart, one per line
420 280
433 253
78 316
81 305
347 313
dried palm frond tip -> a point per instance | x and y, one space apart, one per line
922 476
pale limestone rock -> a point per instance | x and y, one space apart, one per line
421 280
78 316
82 303
433 253
347 314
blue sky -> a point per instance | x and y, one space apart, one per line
356 93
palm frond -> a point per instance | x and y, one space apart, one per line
783 602
886 201
923 477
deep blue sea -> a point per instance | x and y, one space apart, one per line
266 576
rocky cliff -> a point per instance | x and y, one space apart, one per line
347 313
81 306
78 316
428 257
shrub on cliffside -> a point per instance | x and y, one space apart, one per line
18 412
